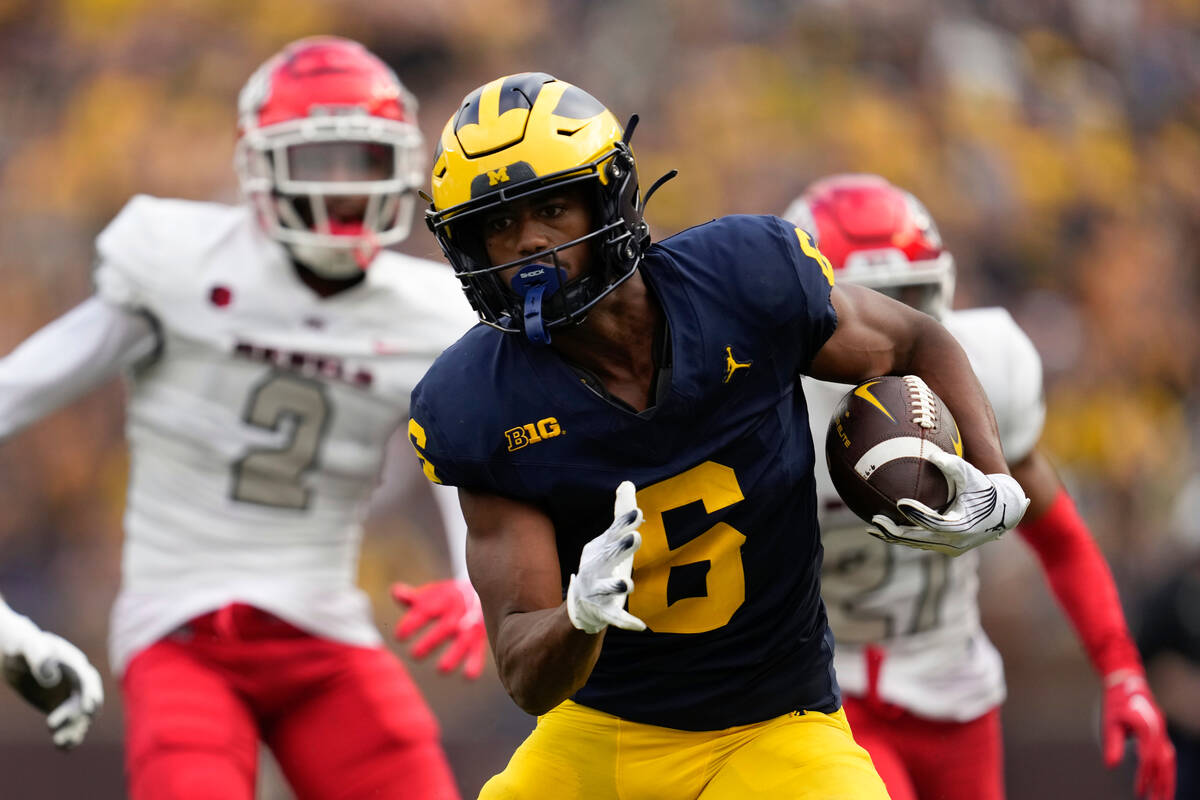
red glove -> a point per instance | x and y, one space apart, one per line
1130 711
453 608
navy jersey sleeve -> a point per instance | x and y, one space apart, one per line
443 460
810 320
768 272
772 271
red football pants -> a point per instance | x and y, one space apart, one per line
342 721
925 759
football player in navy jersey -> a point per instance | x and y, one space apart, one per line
674 643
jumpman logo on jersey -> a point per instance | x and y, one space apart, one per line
732 365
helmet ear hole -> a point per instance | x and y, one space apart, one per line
618 167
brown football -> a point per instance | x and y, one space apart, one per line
878 443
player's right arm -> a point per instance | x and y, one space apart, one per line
74 353
877 335
545 647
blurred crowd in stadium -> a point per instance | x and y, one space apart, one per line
1056 143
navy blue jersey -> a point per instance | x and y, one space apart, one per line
726 579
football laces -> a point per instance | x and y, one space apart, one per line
922 403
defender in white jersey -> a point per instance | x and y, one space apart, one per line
920 677
270 348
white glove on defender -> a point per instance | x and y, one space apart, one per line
596 595
984 507
52 659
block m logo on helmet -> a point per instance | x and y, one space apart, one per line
495 176
493 180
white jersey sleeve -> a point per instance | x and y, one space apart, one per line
439 315
455 527
76 352
1010 369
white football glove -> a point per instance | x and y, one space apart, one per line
52 659
596 595
984 507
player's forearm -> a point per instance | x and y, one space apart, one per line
542 659
880 336
1083 584
940 361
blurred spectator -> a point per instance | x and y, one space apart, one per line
1169 639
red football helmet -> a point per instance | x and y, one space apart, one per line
329 153
879 236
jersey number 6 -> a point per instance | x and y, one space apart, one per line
720 546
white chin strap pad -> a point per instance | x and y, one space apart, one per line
329 262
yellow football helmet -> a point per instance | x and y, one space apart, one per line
516 136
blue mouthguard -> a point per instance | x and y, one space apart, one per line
537 283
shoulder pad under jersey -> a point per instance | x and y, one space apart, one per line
155 243
425 305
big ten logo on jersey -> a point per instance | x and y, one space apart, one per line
532 433
309 365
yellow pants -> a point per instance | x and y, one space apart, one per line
578 753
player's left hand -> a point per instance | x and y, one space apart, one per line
1130 712
453 608
984 507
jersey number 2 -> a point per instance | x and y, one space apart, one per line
272 477
720 546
